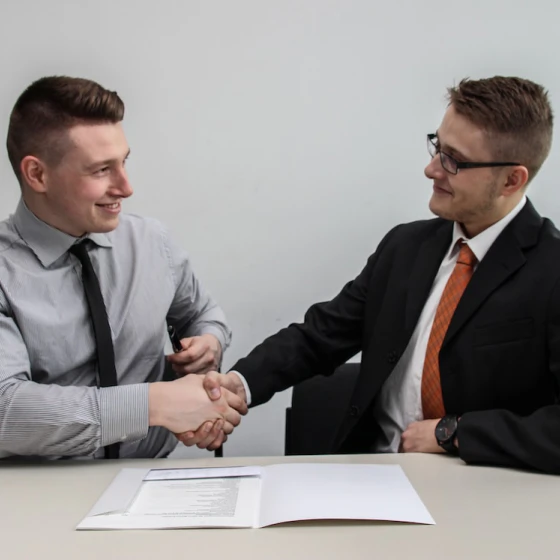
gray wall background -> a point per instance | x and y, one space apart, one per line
278 139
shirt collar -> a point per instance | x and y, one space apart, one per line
481 243
48 243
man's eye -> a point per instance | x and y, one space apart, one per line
102 170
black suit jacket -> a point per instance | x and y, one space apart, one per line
499 362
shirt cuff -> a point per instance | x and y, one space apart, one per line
124 413
245 386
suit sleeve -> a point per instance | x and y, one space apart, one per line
502 438
331 333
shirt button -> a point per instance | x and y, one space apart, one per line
354 410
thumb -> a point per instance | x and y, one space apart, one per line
211 385
187 342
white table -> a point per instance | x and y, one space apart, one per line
480 513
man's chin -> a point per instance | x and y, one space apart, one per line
439 210
106 226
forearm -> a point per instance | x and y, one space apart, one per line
331 333
278 363
502 438
329 336
50 420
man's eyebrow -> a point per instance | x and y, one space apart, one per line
450 149
105 162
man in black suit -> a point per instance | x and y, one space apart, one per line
458 317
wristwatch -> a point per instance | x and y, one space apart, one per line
446 431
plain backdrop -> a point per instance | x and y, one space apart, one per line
279 139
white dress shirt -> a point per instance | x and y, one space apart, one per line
400 400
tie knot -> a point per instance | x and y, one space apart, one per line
466 256
79 250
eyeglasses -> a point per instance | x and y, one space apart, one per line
451 165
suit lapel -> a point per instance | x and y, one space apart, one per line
503 259
424 270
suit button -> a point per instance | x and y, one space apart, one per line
392 357
354 410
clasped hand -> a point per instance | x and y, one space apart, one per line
200 354
191 403
212 434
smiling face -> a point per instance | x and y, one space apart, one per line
476 198
81 193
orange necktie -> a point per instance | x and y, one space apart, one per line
432 400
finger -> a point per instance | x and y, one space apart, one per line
212 435
176 358
185 357
186 343
195 351
211 384
203 365
206 369
236 402
192 351
406 446
193 438
215 444
228 428
184 439
185 369
180 370
232 416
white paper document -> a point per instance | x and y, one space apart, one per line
255 496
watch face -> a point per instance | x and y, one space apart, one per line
446 428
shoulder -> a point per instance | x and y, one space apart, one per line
146 236
9 238
136 230
550 232
547 249
136 224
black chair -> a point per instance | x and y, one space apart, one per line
317 410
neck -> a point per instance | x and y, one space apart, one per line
472 229
37 205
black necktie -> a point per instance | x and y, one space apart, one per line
107 376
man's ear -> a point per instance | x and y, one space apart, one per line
33 173
516 180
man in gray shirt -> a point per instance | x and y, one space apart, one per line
68 151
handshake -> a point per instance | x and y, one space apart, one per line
199 409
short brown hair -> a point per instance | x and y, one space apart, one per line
515 113
48 108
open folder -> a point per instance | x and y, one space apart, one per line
255 496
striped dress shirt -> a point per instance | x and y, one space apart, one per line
50 405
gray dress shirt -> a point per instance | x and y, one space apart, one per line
50 405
